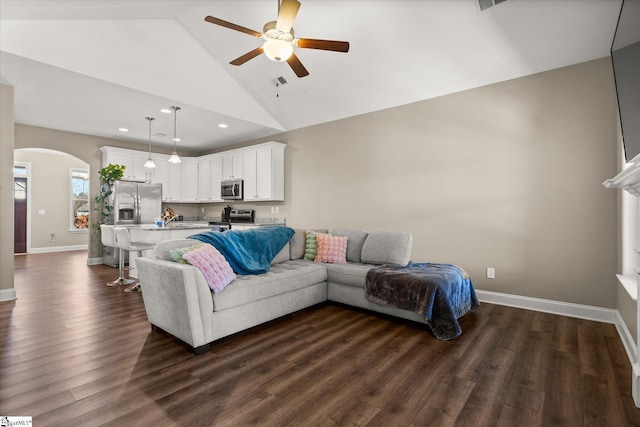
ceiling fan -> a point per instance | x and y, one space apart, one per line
279 39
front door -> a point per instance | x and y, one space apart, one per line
20 215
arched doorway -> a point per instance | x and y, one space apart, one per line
56 194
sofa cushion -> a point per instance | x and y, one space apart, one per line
351 274
215 269
178 253
355 241
331 249
297 244
164 248
281 278
387 247
311 245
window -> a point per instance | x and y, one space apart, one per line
20 185
19 171
79 199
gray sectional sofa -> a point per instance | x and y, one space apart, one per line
178 300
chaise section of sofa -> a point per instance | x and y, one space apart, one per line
346 282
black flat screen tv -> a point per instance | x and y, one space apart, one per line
625 56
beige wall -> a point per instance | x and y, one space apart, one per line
506 176
50 192
6 193
83 147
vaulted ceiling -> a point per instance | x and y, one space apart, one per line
93 66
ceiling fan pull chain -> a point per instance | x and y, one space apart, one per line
277 81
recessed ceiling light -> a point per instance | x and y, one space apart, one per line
123 129
166 111
177 139
223 125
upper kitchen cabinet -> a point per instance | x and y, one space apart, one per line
264 172
189 180
232 165
139 172
197 179
132 160
116 156
209 178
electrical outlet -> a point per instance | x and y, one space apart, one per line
491 273
202 210
277 209
273 209
52 237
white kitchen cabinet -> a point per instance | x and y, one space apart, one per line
139 172
250 175
174 182
116 156
264 173
209 178
132 160
189 180
204 179
232 165
215 165
197 179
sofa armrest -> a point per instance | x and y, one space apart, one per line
176 299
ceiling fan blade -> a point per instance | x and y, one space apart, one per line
333 45
287 14
297 66
232 26
247 56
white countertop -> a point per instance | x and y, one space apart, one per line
171 227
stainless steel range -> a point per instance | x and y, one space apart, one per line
236 216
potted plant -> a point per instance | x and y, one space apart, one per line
104 201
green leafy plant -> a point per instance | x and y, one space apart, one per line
104 204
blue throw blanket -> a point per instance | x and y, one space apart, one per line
248 251
439 292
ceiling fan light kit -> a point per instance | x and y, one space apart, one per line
277 50
279 39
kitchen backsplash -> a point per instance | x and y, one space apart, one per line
212 212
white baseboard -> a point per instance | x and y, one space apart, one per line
59 249
95 261
588 312
7 294
627 340
635 384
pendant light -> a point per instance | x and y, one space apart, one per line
149 163
174 156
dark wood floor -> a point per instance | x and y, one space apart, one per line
78 353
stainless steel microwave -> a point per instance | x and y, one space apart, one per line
232 189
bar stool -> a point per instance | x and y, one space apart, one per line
123 241
108 237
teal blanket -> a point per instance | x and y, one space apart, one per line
248 251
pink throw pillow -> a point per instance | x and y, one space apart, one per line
331 249
214 267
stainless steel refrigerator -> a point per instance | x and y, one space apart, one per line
133 203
